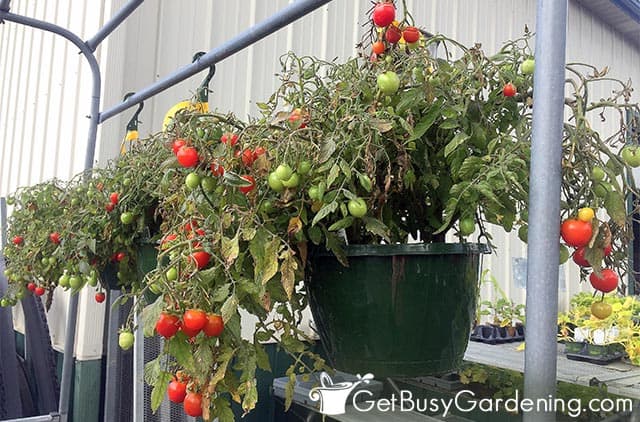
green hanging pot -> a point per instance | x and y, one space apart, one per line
396 310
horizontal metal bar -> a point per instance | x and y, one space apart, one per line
113 23
268 26
53 417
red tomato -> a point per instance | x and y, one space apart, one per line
383 14
217 169
31 287
509 90
258 152
167 325
100 297
167 239
247 189
378 47
411 34
230 139
194 319
109 207
578 258
214 325
393 34
247 157
187 156
575 232
607 250
607 282
39 291
189 332
193 404
120 256
114 197
17 240
177 144
55 238
201 258
176 391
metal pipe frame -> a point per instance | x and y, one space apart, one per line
113 23
4 6
43 418
544 206
3 221
257 32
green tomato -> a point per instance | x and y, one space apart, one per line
126 182
357 207
20 294
388 82
172 274
75 282
125 340
275 182
209 184
283 172
192 180
597 174
44 261
4 302
602 189
91 280
631 155
267 207
528 66
314 192
52 260
155 288
63 281
291 182
467 226
304 167
127 217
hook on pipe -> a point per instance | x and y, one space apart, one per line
203 89
133 122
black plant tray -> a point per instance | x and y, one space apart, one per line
608 354
491 334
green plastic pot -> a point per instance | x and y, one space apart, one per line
396 310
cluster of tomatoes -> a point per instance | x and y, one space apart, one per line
578 232
391 33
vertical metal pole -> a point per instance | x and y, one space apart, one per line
544 206
111 399
4 6
3 222
138 371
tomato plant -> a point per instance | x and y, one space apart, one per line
248 188
388 82
100 297
411 34
393 34
378 47
601 310
194 319
125 340
214 326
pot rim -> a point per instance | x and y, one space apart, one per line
410 249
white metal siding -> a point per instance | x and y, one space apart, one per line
44 84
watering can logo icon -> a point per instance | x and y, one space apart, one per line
333 397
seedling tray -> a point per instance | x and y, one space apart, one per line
491 334
606 354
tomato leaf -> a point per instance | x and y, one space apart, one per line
221 293
150 315
262 358
333 174
376 227
265 255
614 203
229 308
457 140
230 249
324 211
289 389
159 390
222 410
327 148
180 349
250 396
342 224
288 269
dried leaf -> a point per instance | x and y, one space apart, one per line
295 225
288 270
230 249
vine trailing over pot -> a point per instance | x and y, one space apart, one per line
392 144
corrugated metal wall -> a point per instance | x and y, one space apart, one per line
44 84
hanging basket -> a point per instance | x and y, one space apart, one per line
396 310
